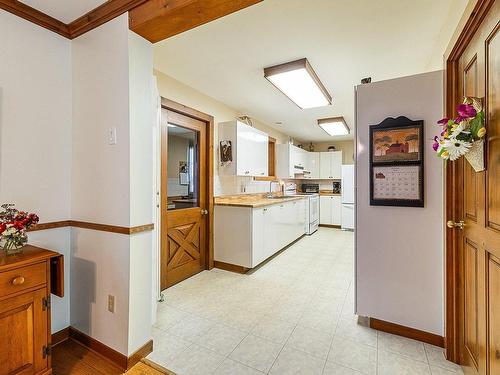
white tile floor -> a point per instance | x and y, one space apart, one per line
293 315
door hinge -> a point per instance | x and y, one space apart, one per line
47 350
46 303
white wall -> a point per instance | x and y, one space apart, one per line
35 134
172 89
142 122
101 183
453 18
399 250
100 102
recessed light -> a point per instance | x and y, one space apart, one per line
334 126
300 83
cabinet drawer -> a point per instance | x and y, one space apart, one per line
19 279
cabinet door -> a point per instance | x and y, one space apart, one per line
252 151
336 210
336 165
24 333
313 165
324 165
325 210
258 236
260 154
244 149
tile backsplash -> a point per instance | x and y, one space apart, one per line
232 185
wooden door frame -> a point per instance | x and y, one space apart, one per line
170 105
454 209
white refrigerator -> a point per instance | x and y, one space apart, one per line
348 197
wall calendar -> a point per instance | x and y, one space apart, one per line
397 163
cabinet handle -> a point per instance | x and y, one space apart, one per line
247 172
265 210
18 280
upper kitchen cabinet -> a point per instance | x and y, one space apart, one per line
249 150
311 171
330 165
291 161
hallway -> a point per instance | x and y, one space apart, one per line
293 315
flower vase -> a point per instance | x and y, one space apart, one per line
12 246
475 156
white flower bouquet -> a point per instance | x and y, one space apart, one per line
464 135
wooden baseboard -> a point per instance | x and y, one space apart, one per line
231 267
60 336
117 358
140 354
411 333
330 226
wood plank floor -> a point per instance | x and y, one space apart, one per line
71 358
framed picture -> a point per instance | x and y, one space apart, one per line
397 163
226 152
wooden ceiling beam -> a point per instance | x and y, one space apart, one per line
156 20
100 15
33 15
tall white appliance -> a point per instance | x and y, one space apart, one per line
348 197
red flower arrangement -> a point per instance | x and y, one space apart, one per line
13 227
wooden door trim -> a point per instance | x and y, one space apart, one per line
209 121
453 172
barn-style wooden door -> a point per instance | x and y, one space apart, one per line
184 207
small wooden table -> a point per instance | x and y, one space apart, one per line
26 282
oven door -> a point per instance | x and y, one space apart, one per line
314 209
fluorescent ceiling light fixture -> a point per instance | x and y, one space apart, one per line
300 83
334 126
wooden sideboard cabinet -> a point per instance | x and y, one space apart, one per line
26 283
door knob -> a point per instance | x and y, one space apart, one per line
204 212
453 224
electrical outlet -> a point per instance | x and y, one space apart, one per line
111 303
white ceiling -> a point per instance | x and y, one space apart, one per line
344 41
64 10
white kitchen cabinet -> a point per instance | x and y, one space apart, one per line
330 165
291 161
311 171
246 236
249 149
330 210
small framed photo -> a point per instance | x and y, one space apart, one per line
226 152
397 163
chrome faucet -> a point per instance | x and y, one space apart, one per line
270 194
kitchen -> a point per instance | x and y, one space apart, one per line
275 119
308 189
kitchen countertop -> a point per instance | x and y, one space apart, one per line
251 200
328 192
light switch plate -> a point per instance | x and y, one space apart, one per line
112 136
111 303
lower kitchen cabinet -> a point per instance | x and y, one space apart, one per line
330 210
246 236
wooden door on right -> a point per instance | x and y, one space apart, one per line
478 252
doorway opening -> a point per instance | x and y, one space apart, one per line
186 193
